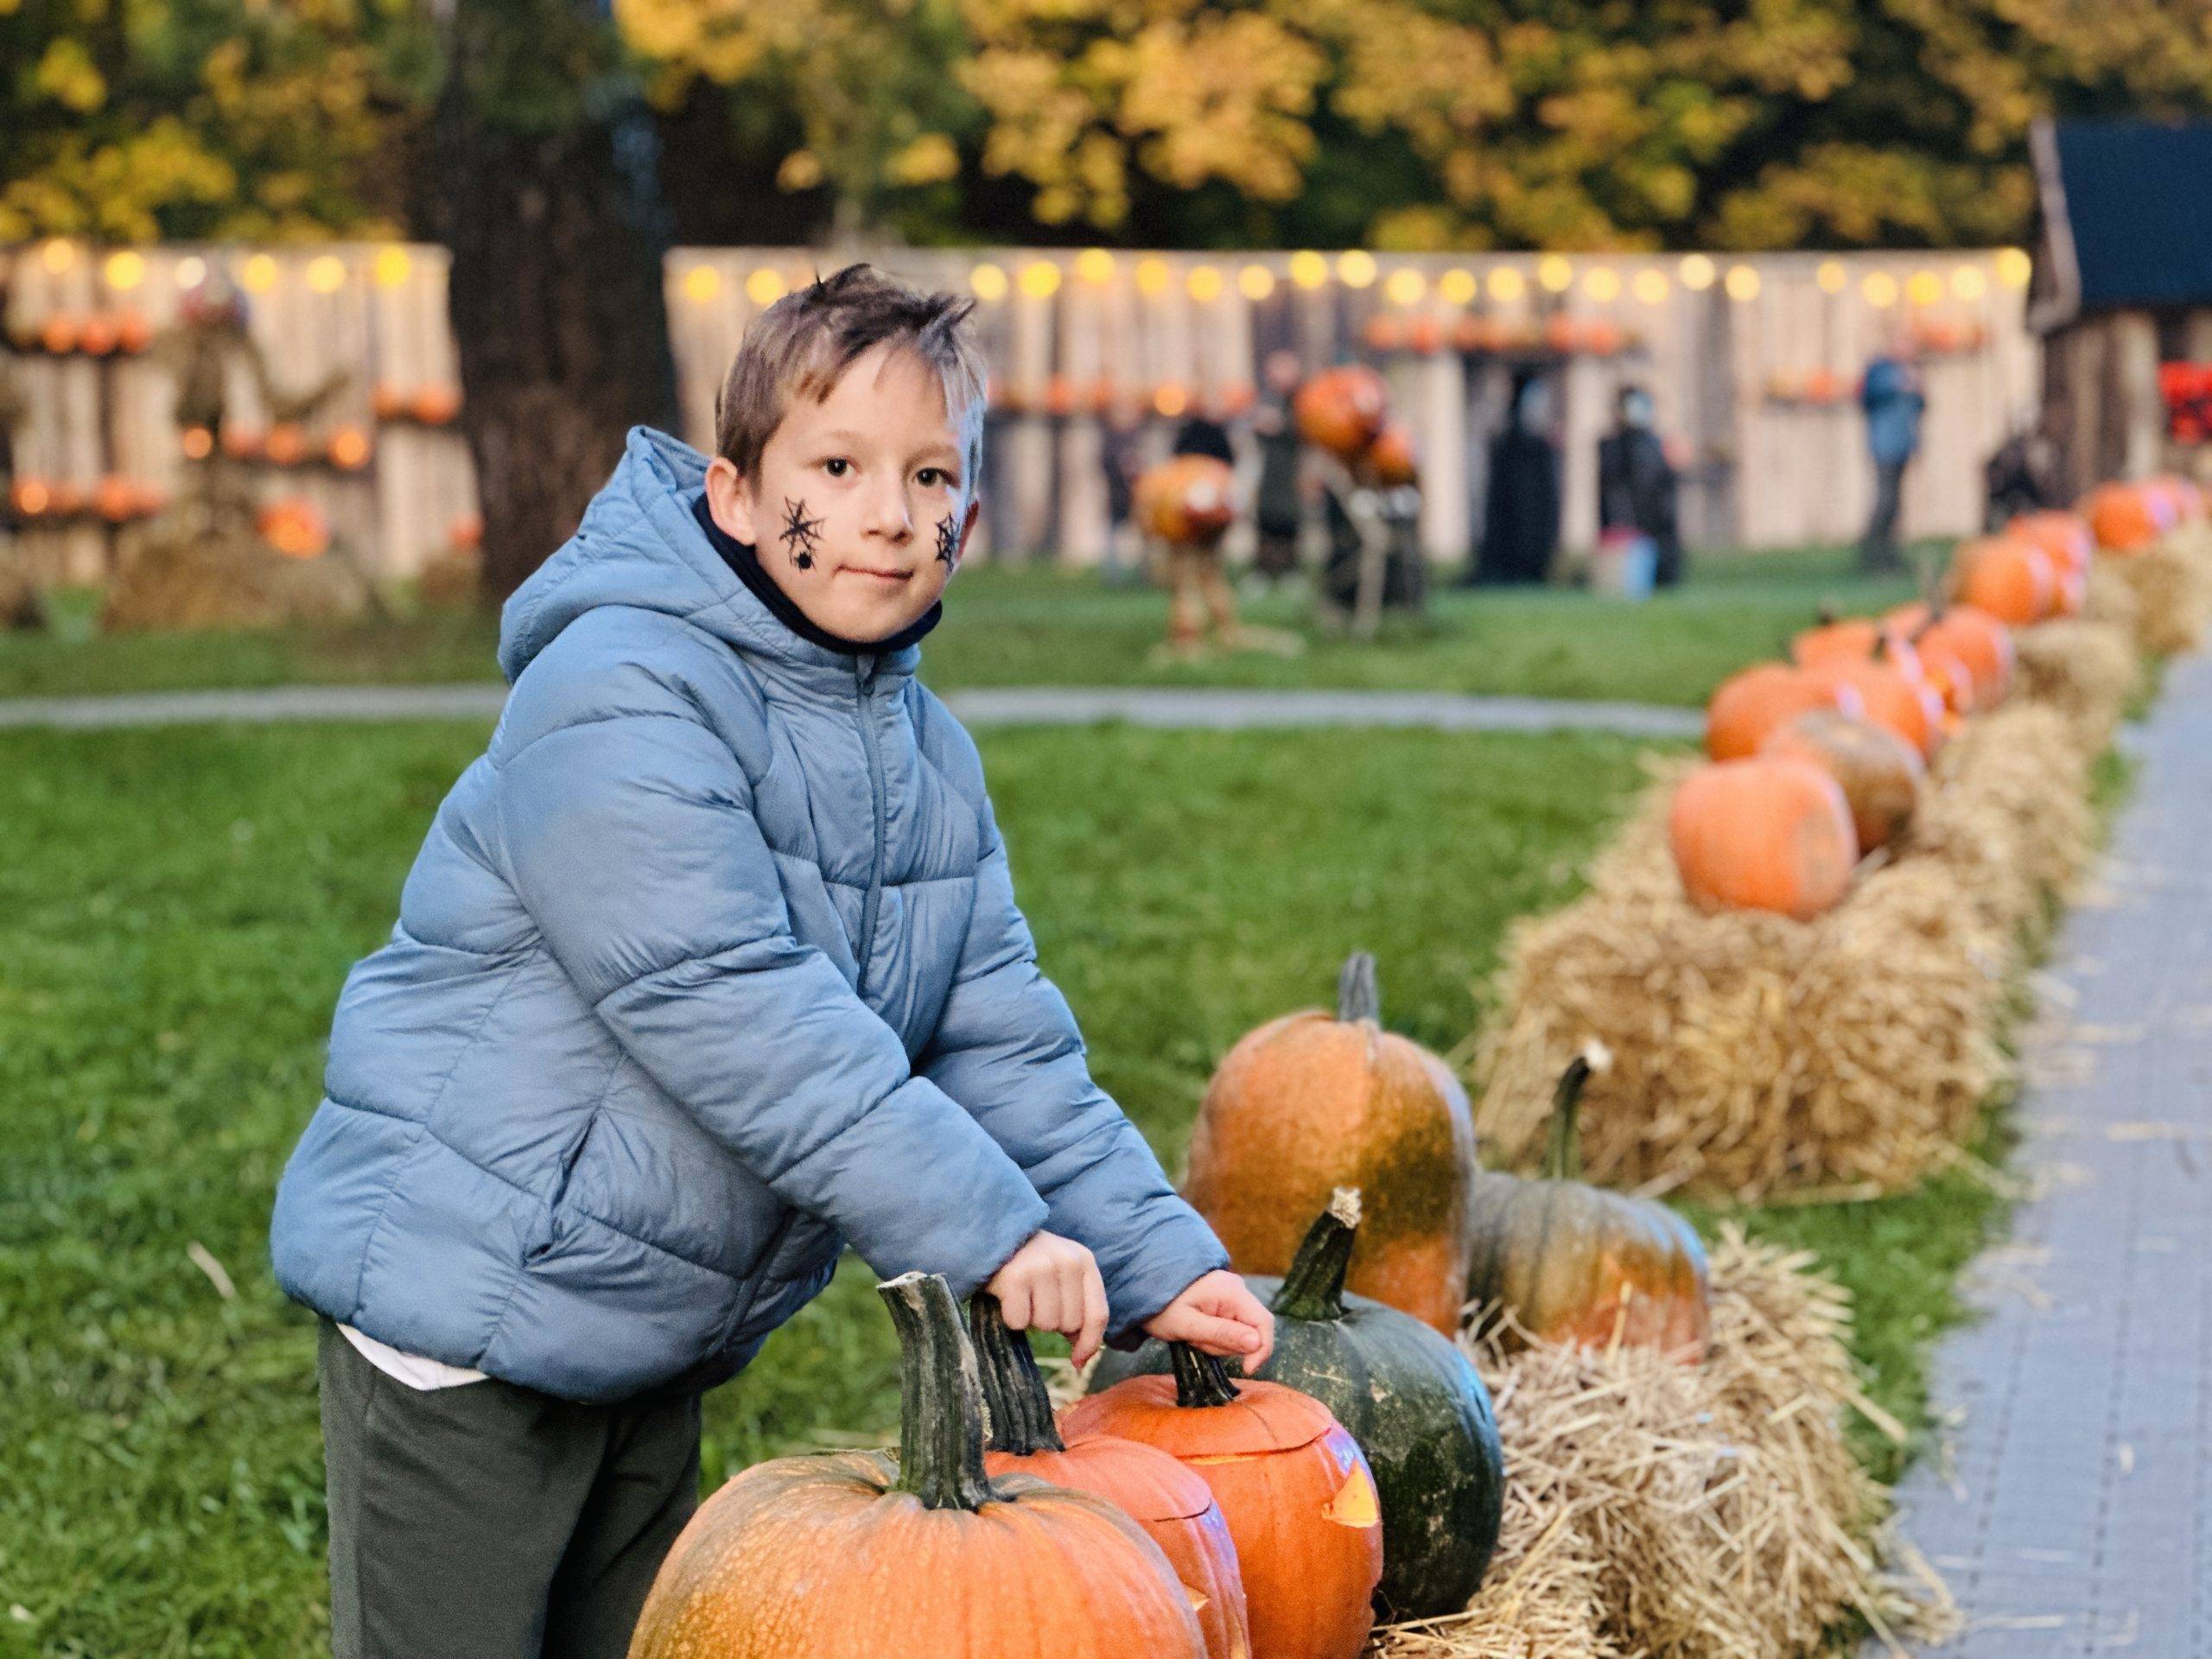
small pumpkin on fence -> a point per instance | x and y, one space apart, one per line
1749 706
1559 1261
1307 1103
828 1556
1768 833
1880 773
1291 1481
1411 1399
1175 1508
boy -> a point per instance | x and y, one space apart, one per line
709 965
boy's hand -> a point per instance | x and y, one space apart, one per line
1219 1314
1052 1284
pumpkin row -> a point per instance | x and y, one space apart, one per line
1820 760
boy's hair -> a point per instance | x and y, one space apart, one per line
800 346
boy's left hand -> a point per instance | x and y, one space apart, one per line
1219 1314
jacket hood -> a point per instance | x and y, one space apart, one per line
639 545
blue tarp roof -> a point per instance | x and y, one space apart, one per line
2137 197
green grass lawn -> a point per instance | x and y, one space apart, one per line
1040 627
178 908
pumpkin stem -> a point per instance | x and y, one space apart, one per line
1828 614
940 1397
1357 996
1020 1409
1565 1161
1200 1379
1314 1289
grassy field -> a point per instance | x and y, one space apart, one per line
1044 628
181 905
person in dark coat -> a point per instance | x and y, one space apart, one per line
1520 517
1891 396
1636 484
1202 434
1278 509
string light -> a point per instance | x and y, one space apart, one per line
1356 269
1832 277
1456 287
1969 283
191 272
1650 286
2014 267
1204 284
1040 279
1405 286
1925 288
766 285
327 275
1094 266
1743 283
1880 289
58 256
1507 284
260 273
1556 273
1153 276
125 269
391 266
702 285
1308 270
1698 273
1256 282
1603 285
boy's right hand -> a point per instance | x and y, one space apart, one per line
1052 1284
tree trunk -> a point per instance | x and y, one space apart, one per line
549 203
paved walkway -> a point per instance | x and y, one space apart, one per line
1200 708
2073 1512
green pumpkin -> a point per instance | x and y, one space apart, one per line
1409 1397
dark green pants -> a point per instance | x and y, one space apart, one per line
493 1522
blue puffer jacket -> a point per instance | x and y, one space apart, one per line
709 965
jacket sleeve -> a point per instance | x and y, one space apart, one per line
631 843
1007 1048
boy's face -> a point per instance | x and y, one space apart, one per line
863 504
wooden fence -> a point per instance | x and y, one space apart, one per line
1753 362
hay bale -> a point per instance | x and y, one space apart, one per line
2087 670
2110 597
1755 1054
1720 1504
2173 585
182 576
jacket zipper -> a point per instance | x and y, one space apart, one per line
863 684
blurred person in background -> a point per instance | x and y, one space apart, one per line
1891 395
1278 507
1520 516
1636 484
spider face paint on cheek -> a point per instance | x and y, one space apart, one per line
801 534
948 539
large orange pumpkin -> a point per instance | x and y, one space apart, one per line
1751 706
1175 1508
1879 772
856 1555
1188 500
1969 636
1307 1103
1557 1260
1762 834
2125 520
1895 693
1342 410
2012 580
1292 1482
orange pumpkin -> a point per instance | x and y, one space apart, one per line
435 405
286 444
1853 639
1981 641
1394 457
1895 694
2065 536
854 1555
1762 834
2010 579
1305 1104
1174 1507
1291 1481
2125 519
1749 706
1187 500
1342 410
1558 1261
1879 772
